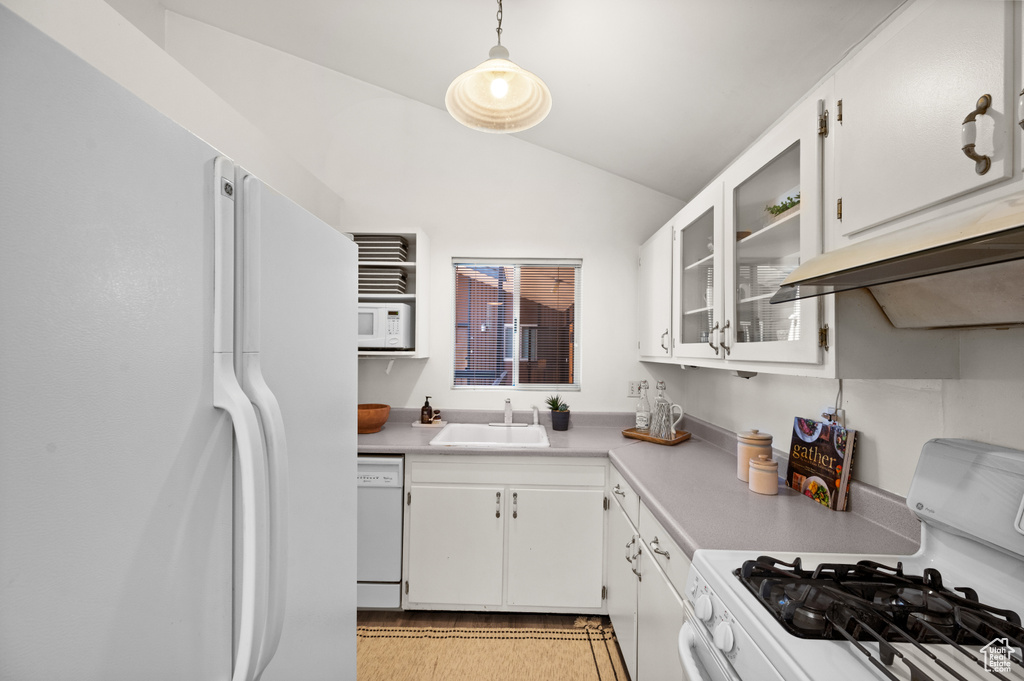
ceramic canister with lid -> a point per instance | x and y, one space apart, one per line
749 445
764 475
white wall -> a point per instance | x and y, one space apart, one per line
894 418
399 163
102 37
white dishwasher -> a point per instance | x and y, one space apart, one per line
379 483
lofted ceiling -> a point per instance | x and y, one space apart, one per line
661 92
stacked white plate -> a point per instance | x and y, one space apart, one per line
383 247
381 280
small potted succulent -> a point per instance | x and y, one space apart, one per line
559 412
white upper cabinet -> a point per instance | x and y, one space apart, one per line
654 303
731 253
697 275
904 98
762 243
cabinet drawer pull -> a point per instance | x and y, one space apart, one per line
515 505
969 135
663 346
711 334
629 558
657 549
497 505
618 490
724 346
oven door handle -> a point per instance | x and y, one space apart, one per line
687 641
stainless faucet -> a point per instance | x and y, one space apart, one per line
508 411
536 415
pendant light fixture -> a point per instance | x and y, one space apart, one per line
498 95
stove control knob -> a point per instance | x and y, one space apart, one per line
724 638
703 608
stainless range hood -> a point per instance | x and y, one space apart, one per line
962 270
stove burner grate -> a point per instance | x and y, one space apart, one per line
869 601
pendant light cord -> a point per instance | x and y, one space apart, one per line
499 22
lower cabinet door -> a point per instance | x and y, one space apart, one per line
623 543
456 541
555 547
660 616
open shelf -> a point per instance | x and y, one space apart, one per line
416 269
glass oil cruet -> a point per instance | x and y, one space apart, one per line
643 410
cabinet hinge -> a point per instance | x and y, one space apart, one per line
408 498
839 209
606 503
604 592
823 337
407 587
823 123
839 111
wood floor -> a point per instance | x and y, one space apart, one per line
489 620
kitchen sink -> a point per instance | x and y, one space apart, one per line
483 435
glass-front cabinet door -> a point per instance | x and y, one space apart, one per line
772 223
696 273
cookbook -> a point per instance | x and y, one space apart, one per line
820 458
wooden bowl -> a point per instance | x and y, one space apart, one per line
372 417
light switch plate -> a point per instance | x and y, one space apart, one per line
634 389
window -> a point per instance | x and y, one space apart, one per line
515 324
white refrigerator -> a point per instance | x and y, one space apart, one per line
177 398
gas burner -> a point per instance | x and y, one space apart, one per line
805 606
869 601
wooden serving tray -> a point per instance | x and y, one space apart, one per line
681 435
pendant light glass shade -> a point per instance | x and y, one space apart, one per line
498 96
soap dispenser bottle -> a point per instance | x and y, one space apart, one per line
427 412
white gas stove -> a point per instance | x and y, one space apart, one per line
951 611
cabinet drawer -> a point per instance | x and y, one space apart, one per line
664 549
624 494
539 471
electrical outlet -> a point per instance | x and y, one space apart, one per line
634 389
837 414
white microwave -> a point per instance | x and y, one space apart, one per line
385 326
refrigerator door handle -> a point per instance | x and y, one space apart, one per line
248 259
277 486
228 395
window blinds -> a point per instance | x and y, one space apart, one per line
515 325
